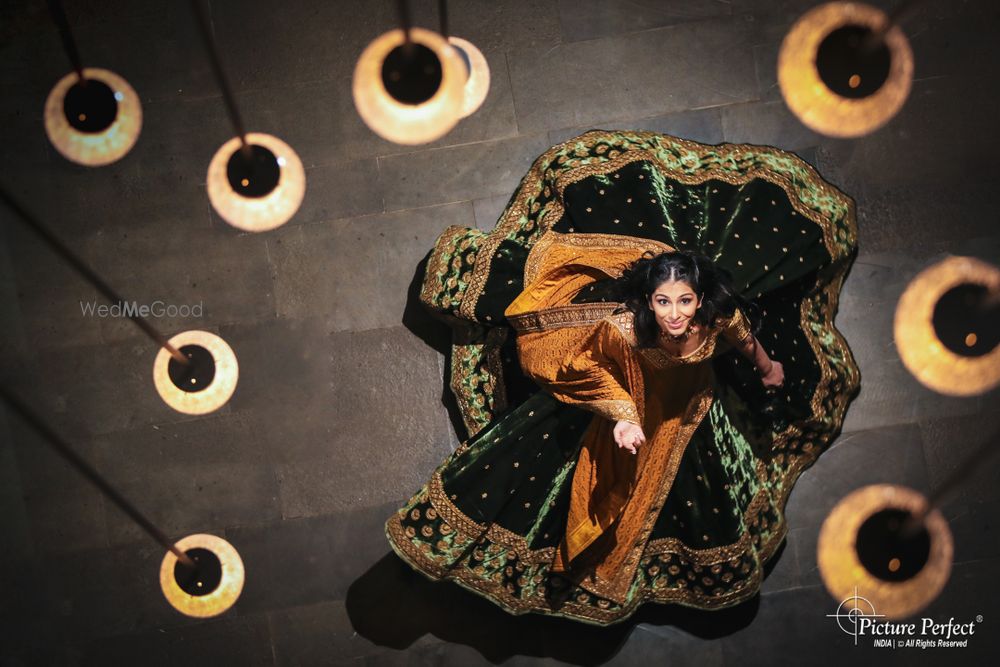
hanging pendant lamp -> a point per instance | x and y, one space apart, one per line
201 575
845 69
409 86
205 383
197 380
257 187
477 85
947 327
95 120
208 589
255 181
866 549
92 116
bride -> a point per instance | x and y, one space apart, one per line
631 438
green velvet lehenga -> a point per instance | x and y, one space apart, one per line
787 237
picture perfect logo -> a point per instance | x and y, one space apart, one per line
857 617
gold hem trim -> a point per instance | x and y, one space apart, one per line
557 317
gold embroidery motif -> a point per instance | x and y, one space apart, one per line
561 316
614 410
659 357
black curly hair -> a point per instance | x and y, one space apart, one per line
712 282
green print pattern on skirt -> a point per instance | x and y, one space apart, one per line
493 512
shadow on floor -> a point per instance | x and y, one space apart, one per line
437 335
393 605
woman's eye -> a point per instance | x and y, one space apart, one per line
686 301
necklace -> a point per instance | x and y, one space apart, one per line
677 339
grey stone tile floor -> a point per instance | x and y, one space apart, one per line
343 409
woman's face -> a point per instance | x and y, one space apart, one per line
674 304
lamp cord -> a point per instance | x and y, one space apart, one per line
966 469
64 450
81 267
892 19
69 43
443 15
215 58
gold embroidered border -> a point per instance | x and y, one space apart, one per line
537 603
463 342
615 410
657 356
465 355
454 517
572 315
437 264
827 373
741 329
624 321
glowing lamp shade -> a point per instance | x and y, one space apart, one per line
838 80
203 385
947 326
258 188
93 121
864 550
410 94
478 83
209 589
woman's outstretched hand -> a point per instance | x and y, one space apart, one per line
629 435
776 377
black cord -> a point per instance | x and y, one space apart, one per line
443 14
64 450
70 257
405 21
966 469
69 43
876 37
205 28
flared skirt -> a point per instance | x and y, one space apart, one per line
491 515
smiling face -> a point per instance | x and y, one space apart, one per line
673 304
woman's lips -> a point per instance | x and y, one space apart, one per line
674 325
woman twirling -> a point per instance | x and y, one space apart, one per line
634 441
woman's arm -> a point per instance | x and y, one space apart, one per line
772 373
738 333
586 368
755 352
593 371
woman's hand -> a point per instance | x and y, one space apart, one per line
776 377
629 435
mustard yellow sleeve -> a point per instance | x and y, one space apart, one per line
591 368
737 329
